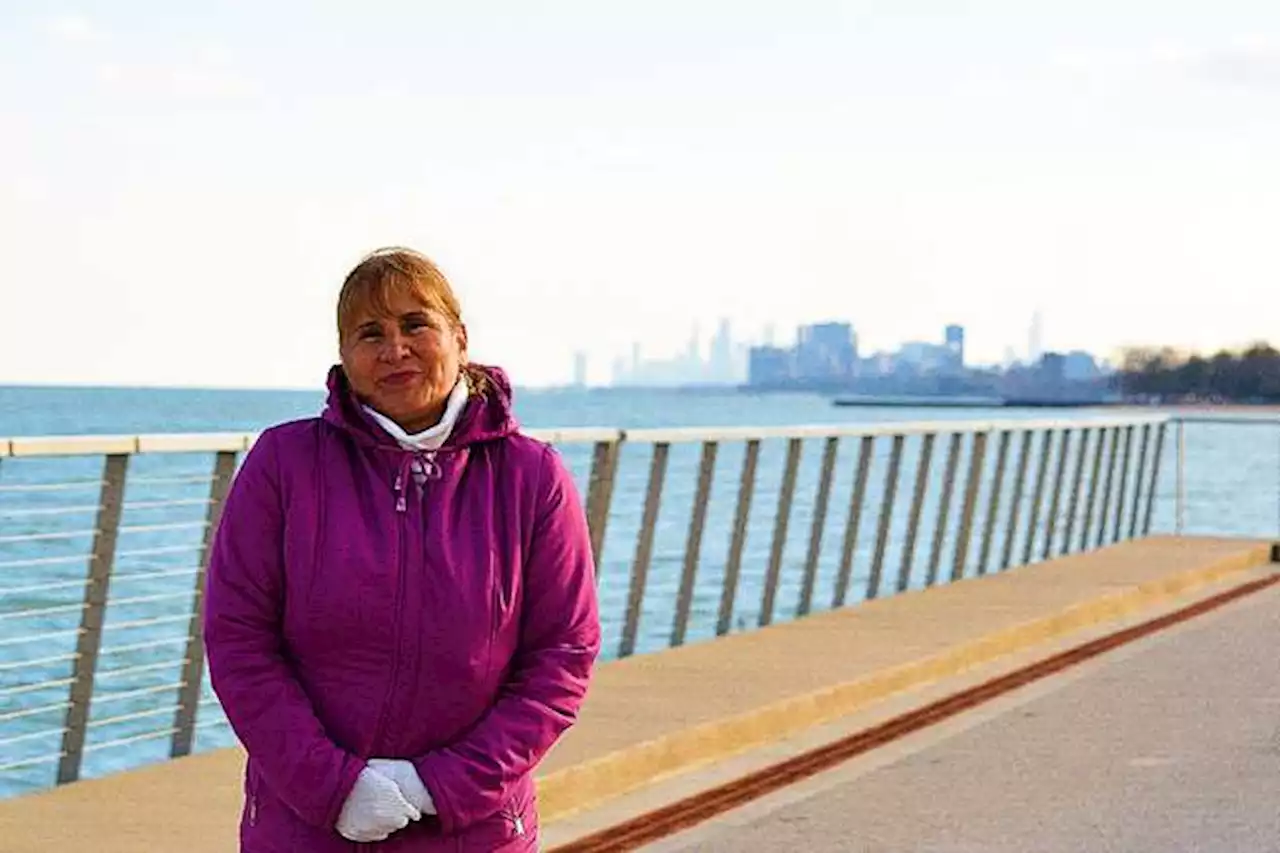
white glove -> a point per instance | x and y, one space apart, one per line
374 809
406 777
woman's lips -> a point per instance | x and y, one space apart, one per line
398 379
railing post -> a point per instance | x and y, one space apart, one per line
89 640
733 566
820 504
1077 482
1137 482
1180 493
977 456
1055 500
1155 479
993 505
644 548
886 517
1122 490
785 496
1104 515
184 723
849 549
944 507
1100 446
1037 497
604 469
1015 505
917 504
693 546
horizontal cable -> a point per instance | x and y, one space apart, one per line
156 528
32 688
46 511
147 505
146 623
82 509
23 664
43 587
44 561
142 647
36 638
126 718
162 549
149 599
67 486
129 577
171 481
134 670
99 700
32 736
208 724
43 611
125 741
48 537
32 712
31 762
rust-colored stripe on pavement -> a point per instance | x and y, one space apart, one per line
661 823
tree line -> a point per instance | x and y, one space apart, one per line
1248 376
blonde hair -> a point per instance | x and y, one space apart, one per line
395 269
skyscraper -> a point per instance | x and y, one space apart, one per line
955 347
721 366
1035 338
580 369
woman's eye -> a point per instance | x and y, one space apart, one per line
370 334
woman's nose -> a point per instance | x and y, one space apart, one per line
394 347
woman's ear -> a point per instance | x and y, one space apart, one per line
462 340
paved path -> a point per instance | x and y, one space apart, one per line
674 709
1172 744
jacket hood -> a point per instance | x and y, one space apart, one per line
488 416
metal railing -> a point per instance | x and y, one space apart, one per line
87 636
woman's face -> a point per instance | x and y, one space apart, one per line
406 364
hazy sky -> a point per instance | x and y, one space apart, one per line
183 186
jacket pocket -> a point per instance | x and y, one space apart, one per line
513 829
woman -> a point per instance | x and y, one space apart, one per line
400 613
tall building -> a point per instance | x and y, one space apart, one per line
955 348
580 369
770 366
826 351
1035 338
721 367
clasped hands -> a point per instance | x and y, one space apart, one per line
388 794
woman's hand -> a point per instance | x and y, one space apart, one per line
374 809
406 777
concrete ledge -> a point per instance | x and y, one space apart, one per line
588 783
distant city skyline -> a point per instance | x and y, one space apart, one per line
724 359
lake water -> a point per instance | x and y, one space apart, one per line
1231 483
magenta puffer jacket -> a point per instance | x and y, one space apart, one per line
354 613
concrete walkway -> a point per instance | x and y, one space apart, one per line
1170 745
671 712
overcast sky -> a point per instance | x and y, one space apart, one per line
183 186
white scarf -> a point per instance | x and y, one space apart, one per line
432 438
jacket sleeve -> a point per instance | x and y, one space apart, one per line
470 779
255 683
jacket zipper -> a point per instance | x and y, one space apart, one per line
397 607
517 822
